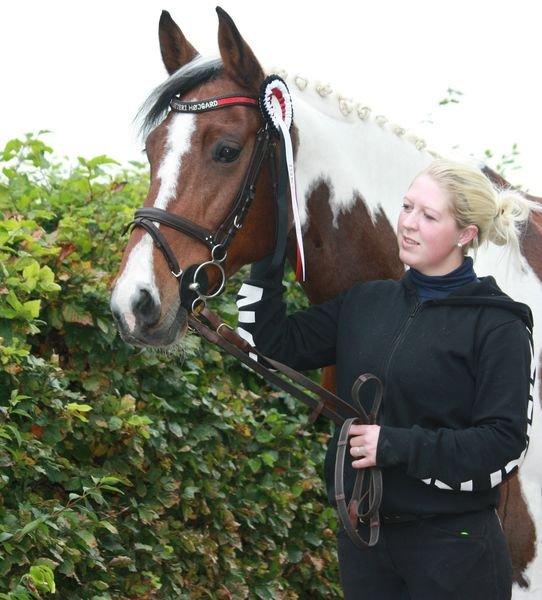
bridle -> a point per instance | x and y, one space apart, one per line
193 291
193 298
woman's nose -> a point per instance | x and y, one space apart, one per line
410 221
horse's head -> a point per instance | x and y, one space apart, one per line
198 163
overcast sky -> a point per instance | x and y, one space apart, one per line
82 69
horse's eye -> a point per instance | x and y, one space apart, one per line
226 153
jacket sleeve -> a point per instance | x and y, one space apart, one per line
304 340
482 455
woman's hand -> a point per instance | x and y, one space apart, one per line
363 445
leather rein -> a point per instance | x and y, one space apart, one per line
194 295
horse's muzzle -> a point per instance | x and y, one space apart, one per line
147 326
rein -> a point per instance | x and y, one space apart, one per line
327 403
209 325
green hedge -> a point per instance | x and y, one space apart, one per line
129 473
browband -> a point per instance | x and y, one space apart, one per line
212 103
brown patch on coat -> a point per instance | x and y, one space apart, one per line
356 250
518 527
367 256
531 242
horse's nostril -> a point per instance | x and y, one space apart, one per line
146 310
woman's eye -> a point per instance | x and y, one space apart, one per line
226 153
406 206
430 217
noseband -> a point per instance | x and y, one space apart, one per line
192 291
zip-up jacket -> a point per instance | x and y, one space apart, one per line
458 375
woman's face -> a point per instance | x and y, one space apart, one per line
427 234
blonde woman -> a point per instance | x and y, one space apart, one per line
454 354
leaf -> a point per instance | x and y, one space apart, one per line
120 561
29 527
75 407
31 309
43 578
13 301
109 479
294 554
103 325
269 458
16 434
73 314
263 436
312 538
115 423
255 464
93 382
176 429
109 526
139 420
111 488
189 492
87 537
32 271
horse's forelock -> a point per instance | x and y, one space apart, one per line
197 71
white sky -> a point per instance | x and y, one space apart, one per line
82 69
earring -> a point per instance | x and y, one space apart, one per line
460 244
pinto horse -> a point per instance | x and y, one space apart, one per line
351 173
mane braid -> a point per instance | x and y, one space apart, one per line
153 110
349 108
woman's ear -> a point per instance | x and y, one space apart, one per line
468 234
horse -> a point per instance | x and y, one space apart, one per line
352 169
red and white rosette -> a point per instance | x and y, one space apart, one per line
276 106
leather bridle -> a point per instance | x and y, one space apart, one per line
193 291
208 325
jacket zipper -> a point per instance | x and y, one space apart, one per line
394 346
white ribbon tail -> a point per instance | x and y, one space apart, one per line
293 193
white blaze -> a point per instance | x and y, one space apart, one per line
139 272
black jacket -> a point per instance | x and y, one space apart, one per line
458 375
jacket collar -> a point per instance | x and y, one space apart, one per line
483 292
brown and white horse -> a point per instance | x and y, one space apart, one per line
351 170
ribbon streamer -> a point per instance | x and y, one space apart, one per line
276 105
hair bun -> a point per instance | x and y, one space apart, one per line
512 210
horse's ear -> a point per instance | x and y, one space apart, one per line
239 60
175 48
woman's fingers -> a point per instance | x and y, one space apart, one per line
363 463
357 451
363 445
357 441
359 429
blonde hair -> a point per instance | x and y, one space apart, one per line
500 214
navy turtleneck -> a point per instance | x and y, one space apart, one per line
440 286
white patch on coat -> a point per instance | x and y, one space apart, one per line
139 270
353 157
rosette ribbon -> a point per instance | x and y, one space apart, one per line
276 106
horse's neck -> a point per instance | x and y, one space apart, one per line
351 177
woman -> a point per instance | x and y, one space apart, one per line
454 353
